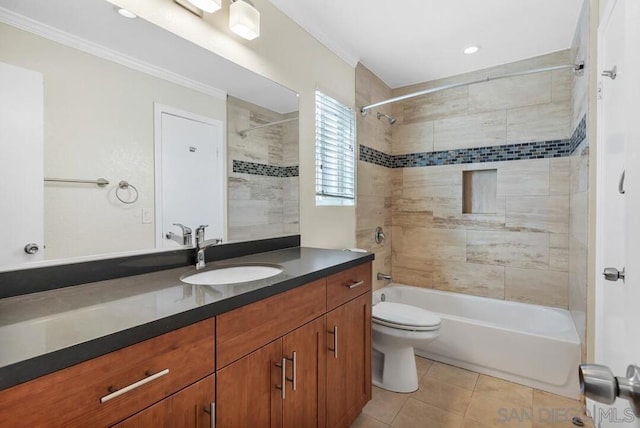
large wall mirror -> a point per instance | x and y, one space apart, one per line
112 130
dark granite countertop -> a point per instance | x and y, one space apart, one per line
48 331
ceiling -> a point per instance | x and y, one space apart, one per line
412 41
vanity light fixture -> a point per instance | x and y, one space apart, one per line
126 13
244 19
208 6
471 50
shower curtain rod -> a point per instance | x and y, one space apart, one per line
243 133
578 70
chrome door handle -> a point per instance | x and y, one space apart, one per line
335 341
118 392
621 184
294 368
281 386
354 284
613 274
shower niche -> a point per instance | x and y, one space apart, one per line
479 188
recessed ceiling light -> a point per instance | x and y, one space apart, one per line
471 50
126 13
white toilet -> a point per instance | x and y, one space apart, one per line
397 329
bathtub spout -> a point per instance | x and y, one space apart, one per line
384 276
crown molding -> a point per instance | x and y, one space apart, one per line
44 30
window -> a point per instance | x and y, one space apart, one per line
335 152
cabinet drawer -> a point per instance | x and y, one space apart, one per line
144 373
346 285
250 327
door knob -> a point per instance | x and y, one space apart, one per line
31 248
613 274
599 384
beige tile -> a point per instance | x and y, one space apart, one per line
373 180
365 421
434 106
524 178
475 130
559 176
490 412
559 241
416 277
552 410
423 365
507 392
561 84
373 211
538 123
384 405
444 396
538 213
559 259
445 175
452 375
511 92
416 413
579 217
469 278
518 249
414 137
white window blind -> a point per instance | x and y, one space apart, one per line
335 152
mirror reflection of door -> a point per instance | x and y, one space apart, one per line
190 174
21 179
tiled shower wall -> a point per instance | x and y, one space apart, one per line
373 206
519 252
262 172
579 195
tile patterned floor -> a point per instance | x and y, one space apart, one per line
449 396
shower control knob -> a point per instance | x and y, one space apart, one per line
31 248
613 274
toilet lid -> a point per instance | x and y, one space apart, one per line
405 317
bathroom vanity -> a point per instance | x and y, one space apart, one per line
290 350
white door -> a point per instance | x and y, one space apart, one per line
21 143
190 175
617 322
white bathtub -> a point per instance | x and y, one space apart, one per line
528 344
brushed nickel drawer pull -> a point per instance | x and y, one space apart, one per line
283 366
134 385
335 341
293 380
355 284
211 412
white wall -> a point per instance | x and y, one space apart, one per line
98 123
287 54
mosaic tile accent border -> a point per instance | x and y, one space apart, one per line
508 152
579 134
267 170
377 157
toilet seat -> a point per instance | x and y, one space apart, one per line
404 317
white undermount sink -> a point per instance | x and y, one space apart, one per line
232 274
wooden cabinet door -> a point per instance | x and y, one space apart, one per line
190 407
247 390
305 406
348 361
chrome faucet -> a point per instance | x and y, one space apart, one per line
184 239
201 245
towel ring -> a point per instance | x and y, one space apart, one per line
124 185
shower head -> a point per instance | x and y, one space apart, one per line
391 119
